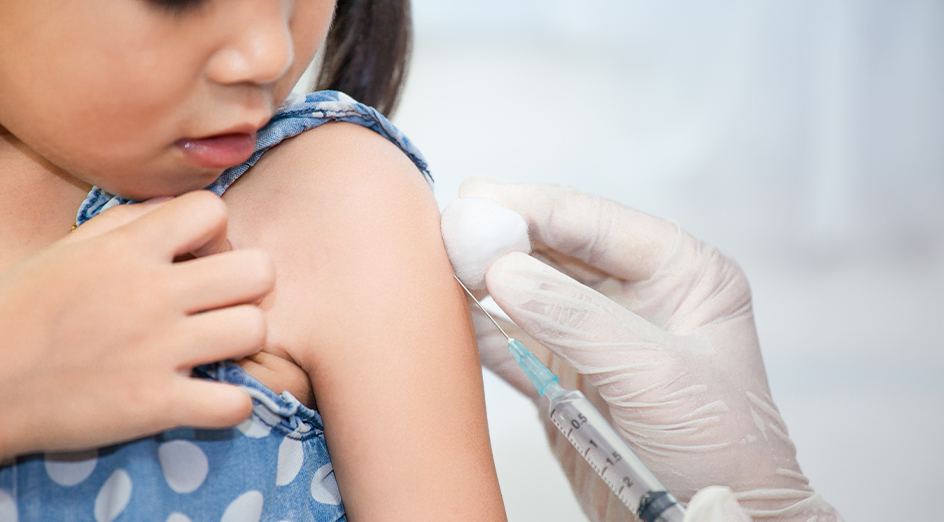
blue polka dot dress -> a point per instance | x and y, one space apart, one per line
274 467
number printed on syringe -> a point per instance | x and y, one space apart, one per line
595 449
579 421
610 460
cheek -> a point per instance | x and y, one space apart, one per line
101 126
109 97
89 65
128 88
105 128
309 26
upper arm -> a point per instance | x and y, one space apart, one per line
365 302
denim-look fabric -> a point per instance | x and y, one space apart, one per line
273 467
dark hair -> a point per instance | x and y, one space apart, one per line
367 51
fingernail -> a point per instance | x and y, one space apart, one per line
158 200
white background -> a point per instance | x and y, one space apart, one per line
805 139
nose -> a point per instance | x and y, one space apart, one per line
259 51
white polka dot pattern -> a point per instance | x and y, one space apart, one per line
7 507
246 508
324 487
253 427
70 469
184 465
291 457
235 474
114 496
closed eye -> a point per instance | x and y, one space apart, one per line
178 7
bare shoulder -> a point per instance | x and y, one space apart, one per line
365 307
339 165
345 215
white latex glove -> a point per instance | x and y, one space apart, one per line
656 329
715 504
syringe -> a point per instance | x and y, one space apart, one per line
595 440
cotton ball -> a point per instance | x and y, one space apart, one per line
477 231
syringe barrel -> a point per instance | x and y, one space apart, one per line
594 439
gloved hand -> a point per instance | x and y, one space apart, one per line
656 328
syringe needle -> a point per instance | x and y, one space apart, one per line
595 440
500 329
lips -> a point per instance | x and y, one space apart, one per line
216 152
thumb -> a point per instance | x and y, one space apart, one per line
586 329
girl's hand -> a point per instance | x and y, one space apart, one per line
101 329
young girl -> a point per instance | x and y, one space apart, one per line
368 349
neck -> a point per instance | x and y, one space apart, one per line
38 200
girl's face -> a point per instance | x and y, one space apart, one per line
150 97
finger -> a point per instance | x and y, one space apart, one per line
493 349
229 333
624 242
192 223
207 404
572 266
113 218
495 355
243 276
587 330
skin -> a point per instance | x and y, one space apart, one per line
64 377
344 217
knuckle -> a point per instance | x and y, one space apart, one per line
725 279
164 405
119 246
737 280
151 394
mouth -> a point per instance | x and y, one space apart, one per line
218 151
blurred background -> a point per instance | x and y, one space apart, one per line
805 139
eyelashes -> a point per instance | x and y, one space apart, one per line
178 7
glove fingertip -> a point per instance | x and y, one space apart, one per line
517 271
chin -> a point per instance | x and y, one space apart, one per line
167 188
